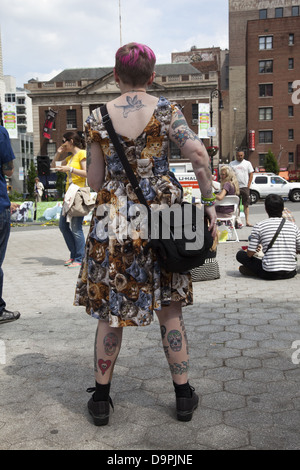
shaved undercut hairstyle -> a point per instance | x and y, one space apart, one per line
135 63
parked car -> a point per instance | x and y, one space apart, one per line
270 183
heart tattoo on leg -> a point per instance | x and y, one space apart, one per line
104 365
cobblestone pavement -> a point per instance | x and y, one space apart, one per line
241 331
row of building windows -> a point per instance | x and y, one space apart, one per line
262 157
266 42
266 113
265 90
266 66
11 98
263 13
266 136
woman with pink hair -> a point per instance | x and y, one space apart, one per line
119 284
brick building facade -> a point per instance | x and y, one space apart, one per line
264 43
273 65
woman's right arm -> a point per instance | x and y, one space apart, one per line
58 156
221 195
95 166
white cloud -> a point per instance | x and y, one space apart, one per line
48 36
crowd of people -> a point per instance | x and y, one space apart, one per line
118 284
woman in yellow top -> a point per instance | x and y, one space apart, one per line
74 165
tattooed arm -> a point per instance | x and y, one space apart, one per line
95 166
193 149
8 168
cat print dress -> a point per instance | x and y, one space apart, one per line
117 282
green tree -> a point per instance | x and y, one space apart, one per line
31 175
270 163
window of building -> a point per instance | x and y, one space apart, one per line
265 66
291 134
290 87
185 78
291 63
291 157
10 97
265 42
265 137
51 149
291 111
265 114
295 11
291 39
265 90
195 111
71 119
261 162
279 12
263 14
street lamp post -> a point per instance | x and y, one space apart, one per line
214 94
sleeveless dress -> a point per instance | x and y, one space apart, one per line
117 282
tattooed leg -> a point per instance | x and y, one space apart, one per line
174 341
107 347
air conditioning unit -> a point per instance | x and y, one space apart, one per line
194 122
69 126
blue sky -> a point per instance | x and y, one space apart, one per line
41 38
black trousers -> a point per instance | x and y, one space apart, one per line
255 265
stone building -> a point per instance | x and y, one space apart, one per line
74 93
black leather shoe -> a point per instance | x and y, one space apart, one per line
186 406
8 316
99 410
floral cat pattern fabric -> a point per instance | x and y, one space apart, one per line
117 281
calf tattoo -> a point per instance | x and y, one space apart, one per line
179 369
104 365
175 340
110 343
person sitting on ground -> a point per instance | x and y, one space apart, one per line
278 262
229 187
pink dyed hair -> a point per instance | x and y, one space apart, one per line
135 63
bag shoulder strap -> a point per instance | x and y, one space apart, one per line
119 149
276 234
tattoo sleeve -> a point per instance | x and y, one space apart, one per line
181 132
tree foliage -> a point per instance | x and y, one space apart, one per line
31 175
270 163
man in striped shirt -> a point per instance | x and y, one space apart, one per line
280 261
